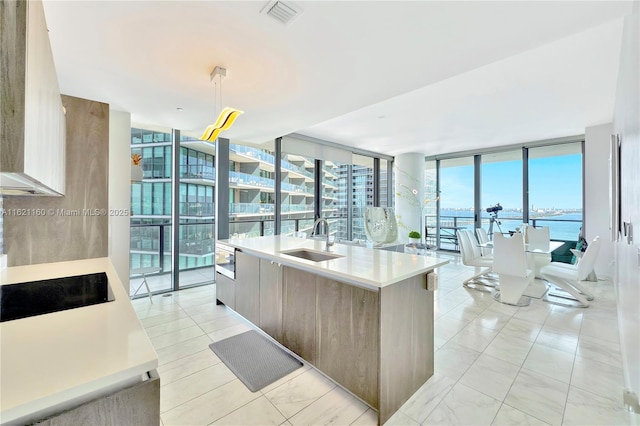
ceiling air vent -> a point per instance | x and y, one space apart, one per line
282 12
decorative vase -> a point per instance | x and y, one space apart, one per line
414 240
380 225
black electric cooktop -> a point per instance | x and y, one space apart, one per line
28 299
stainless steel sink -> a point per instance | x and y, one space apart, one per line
314 256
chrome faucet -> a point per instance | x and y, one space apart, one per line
313 231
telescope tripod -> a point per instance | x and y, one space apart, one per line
493 219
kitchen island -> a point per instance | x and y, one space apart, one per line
363 317
93 364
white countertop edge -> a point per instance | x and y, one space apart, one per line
65 398
69 398
320 268
310 266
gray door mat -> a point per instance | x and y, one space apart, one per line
254 359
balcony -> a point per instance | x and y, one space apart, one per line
250 209
197 209
196 239
198 171
258 209
245 180
560 229
256 154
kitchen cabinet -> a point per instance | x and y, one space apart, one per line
247 301
138 404
344 315
225 290
365 318
271 298
32 123
299 312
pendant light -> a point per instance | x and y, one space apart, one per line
227 116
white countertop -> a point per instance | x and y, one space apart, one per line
361 266
65 358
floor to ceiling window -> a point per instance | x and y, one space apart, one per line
431 200
152 208
252 191
298 192
555 189
456 199
196 211
385 178
501 183
361 194
150 241
335 194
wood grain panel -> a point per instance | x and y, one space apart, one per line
226 290
135 405
271 299
67 231
299 313
347 336
406 342
248 286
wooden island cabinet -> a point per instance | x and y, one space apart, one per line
374 340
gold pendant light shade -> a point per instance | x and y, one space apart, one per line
225 121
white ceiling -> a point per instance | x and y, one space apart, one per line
386 76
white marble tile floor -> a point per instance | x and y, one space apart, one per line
495 364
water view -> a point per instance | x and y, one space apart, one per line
562 225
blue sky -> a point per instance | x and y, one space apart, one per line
553 182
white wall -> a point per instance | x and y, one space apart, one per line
627 124
119 191
596 197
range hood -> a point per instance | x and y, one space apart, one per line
21 184
32 126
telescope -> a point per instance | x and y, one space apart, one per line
493 210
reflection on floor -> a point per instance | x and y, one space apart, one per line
494 364
163 282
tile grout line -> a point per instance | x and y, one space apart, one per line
573 366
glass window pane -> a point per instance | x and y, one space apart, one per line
158 195
501 183
361 193
456 199
431 208
251 187
384 192
555 189
297 200
334 197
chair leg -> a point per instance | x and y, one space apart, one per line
582 290
144 282
565 286
512 289
472 280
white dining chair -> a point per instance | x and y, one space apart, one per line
471 257
570 277
483 238
538 239
514 274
